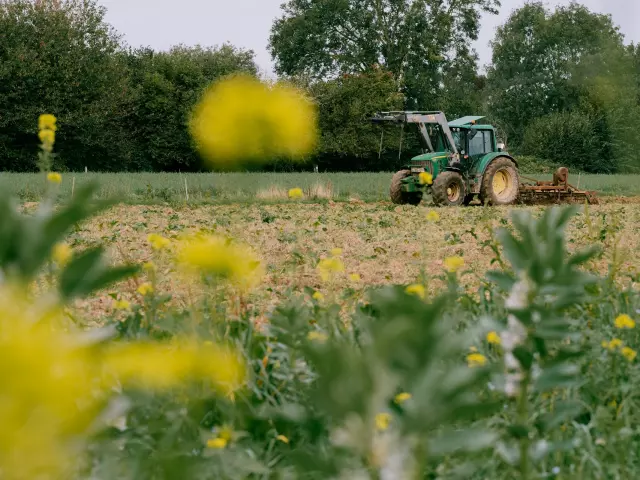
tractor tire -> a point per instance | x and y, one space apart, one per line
449 189
500 183
397 195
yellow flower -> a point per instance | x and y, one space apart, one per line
61 254
282 122
624 321
145 289
473 349
121 305
476 360
453 264
46 386
425 178
318 296
354 277
336 252
493 338
416 289
328 267
317 337
166 365
612 345
47 136
54 177
433 216
158 242
629 353
47 122
295 193
217 443
218 256
382 421
282 438
402 397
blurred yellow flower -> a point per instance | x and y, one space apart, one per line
48 137
383 420
317 336
425 178
242 119
416 289
295 193
493 338
318 296
218 256
402 397
476 360
165 365
145 289
282 438
158 242
336 252
54 177
217 443
354 277
61 254
328 267
46 391
612 345
629 353
47 122
433 216
624 321
121 305
453 264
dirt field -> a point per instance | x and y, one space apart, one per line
381 242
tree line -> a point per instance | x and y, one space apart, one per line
563 85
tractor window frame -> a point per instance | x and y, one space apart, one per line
486 145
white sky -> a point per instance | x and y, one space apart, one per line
246 23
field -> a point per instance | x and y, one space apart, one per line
249 187
373 333
381 242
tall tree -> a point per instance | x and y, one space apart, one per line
418 41
60 57
167 86
535 54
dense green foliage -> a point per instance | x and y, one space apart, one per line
563 87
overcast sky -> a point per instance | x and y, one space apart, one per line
246 23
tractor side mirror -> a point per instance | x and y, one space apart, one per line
500 147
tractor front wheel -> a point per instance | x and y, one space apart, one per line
449 189
500 183
397 195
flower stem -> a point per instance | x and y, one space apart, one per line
523 419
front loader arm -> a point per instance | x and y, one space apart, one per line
421 118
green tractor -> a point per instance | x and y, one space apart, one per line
462 159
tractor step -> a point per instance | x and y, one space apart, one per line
559 190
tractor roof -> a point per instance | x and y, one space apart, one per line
465 121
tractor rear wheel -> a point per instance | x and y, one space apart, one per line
397 195
449 189
500 183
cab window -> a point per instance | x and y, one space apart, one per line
480 142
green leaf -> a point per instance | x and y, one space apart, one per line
563 375
86 273
562 412
469 440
